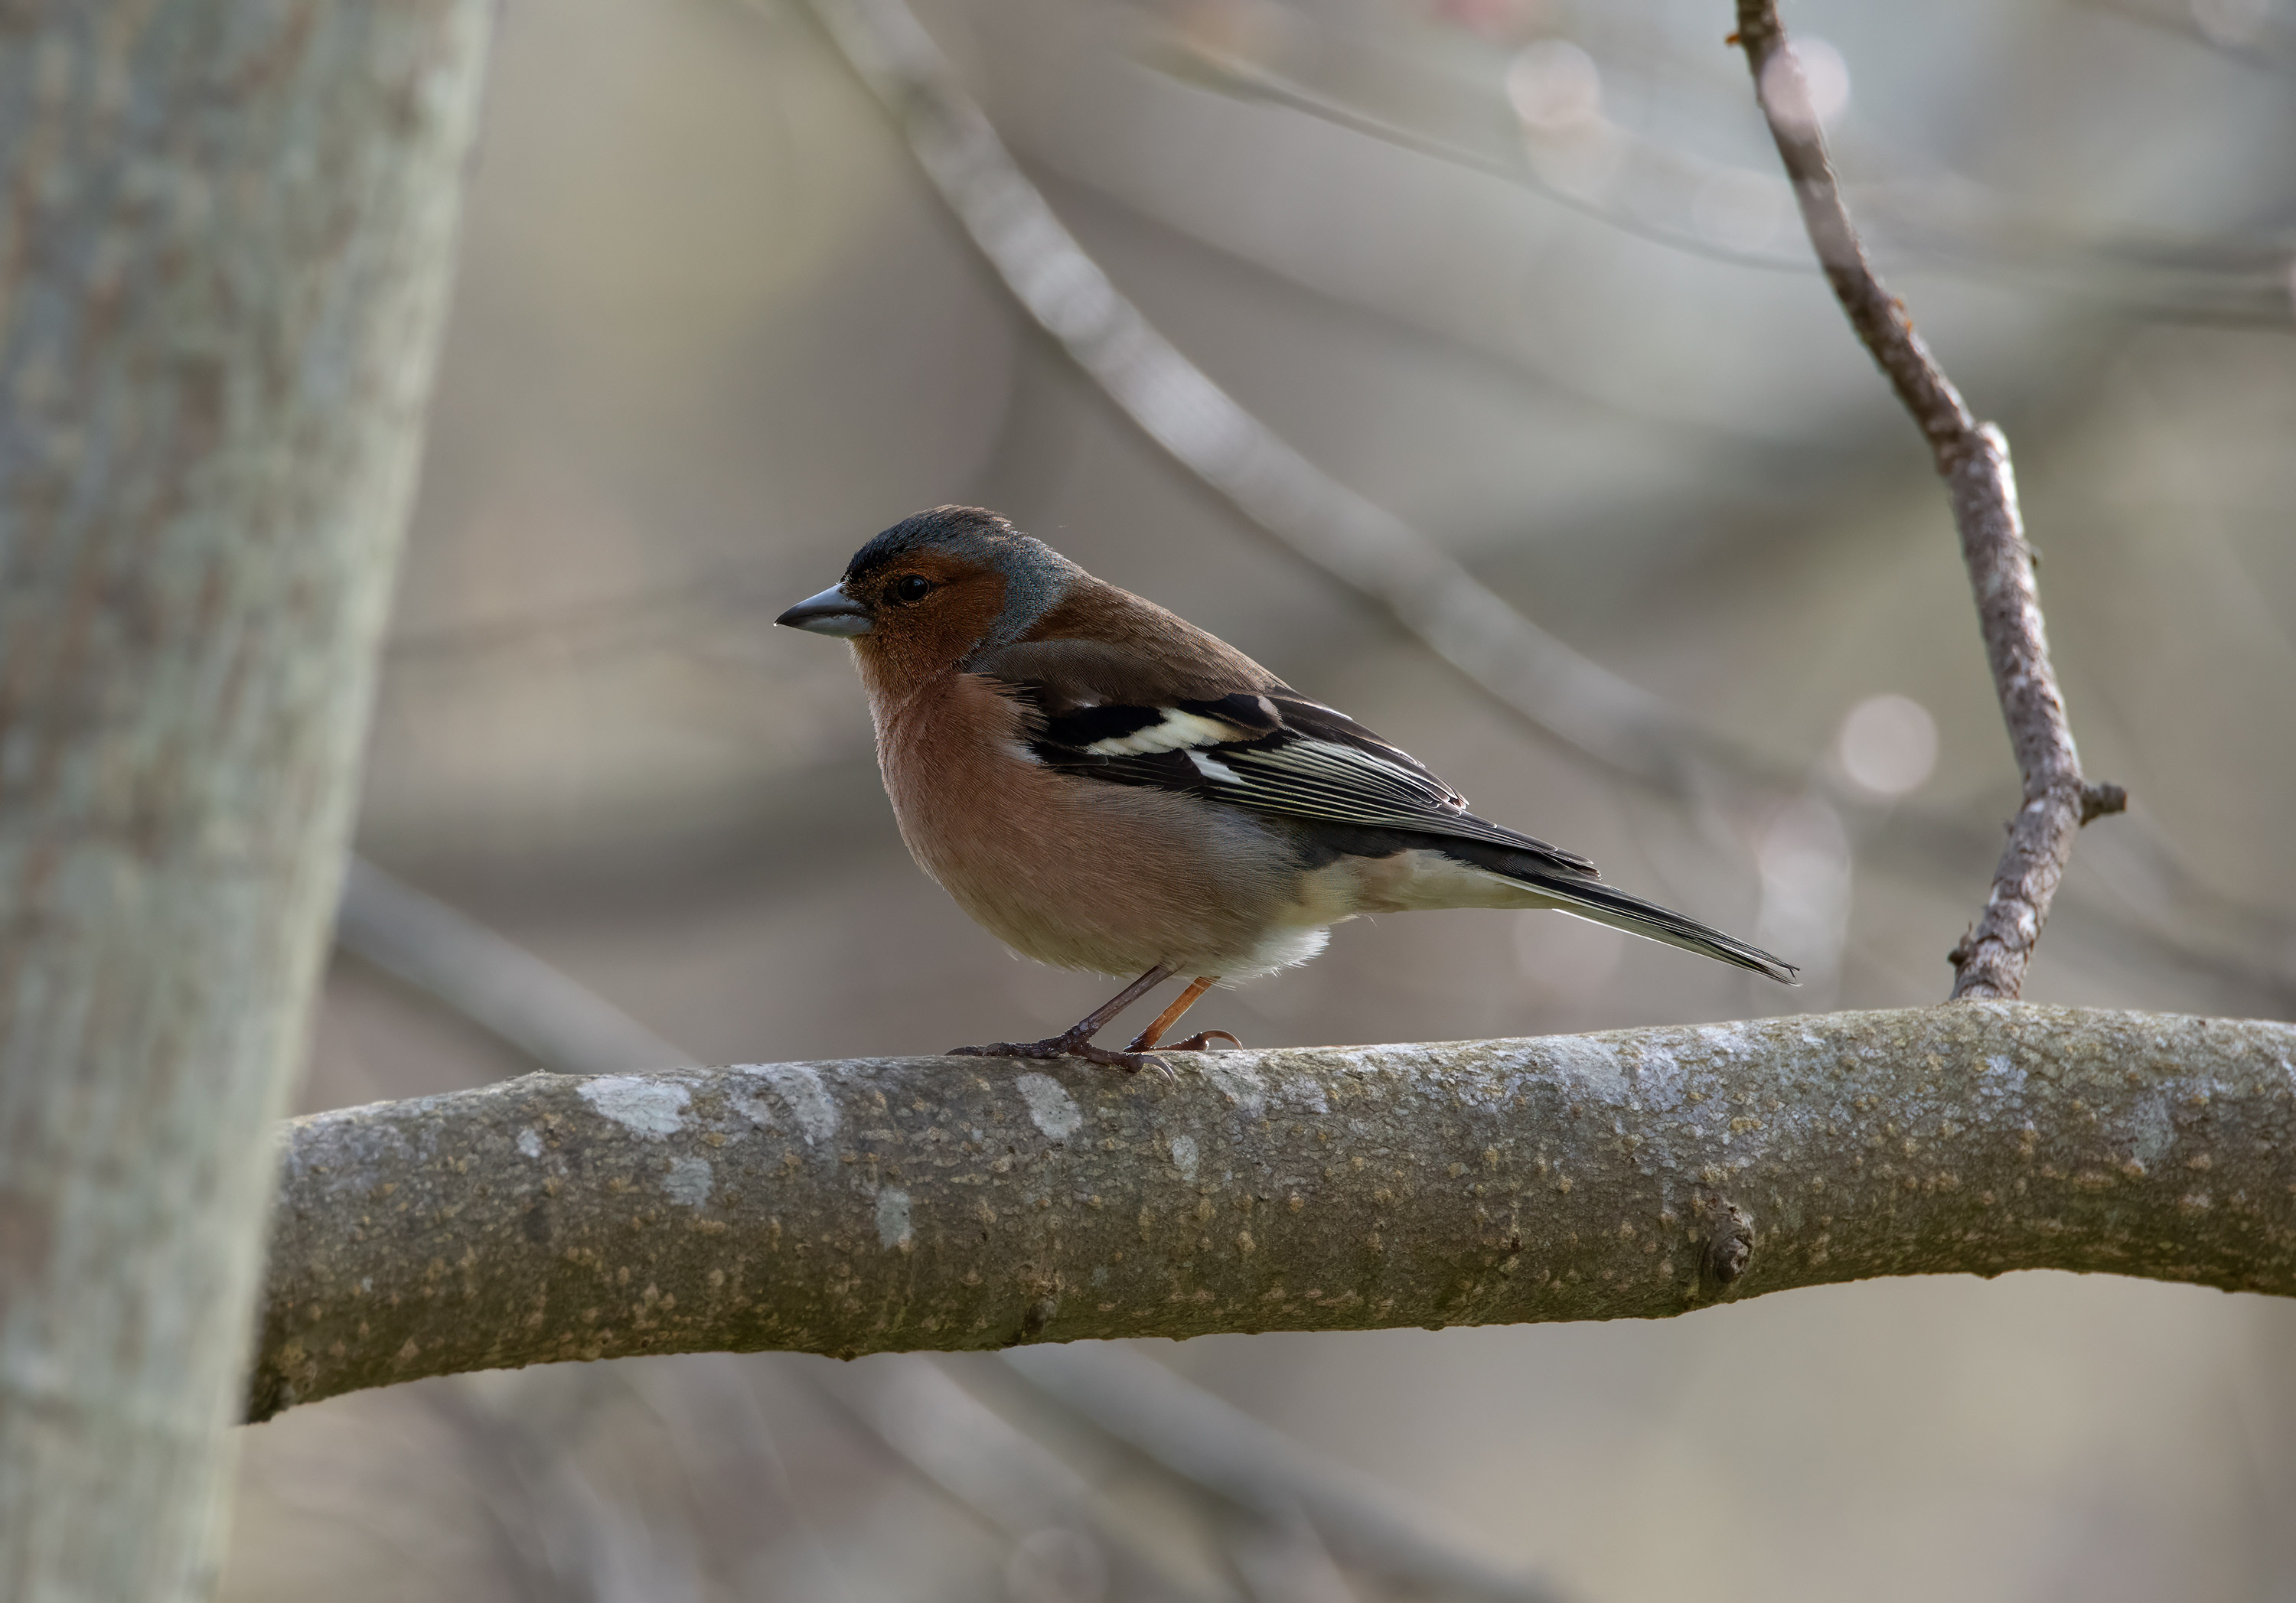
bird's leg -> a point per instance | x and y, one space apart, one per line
1146 1040
1075 1041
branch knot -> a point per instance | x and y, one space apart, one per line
2097 800
1729 1248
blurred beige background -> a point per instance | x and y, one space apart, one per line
1520 273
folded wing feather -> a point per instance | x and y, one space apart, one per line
1270 751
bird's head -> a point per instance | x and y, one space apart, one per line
934 589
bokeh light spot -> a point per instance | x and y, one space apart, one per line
1554 85
1887 744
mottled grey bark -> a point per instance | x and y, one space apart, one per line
951 1203
224 252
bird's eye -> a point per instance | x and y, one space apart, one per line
912 588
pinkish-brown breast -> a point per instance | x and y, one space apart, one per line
1072 871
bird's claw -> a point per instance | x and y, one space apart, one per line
1061 1046
1200 1041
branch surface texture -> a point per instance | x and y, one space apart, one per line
935 1203
1972 458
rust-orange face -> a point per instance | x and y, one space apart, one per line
935 589
915 592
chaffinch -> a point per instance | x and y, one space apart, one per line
1105 786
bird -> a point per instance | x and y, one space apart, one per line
1105 786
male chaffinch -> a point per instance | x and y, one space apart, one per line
1103 786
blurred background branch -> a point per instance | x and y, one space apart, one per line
1673 195
497 984
1378 555
1211 1442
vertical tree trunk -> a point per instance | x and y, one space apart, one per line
224 245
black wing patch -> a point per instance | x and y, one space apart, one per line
1271 753
1111 731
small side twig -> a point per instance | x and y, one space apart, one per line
1972 458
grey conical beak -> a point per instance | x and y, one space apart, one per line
831 612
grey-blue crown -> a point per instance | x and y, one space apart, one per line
1035 575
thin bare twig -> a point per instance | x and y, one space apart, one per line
1972 458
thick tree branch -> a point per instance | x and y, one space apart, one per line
937 1203
1972 458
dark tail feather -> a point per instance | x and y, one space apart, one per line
1592 899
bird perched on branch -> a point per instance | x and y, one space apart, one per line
1103 786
